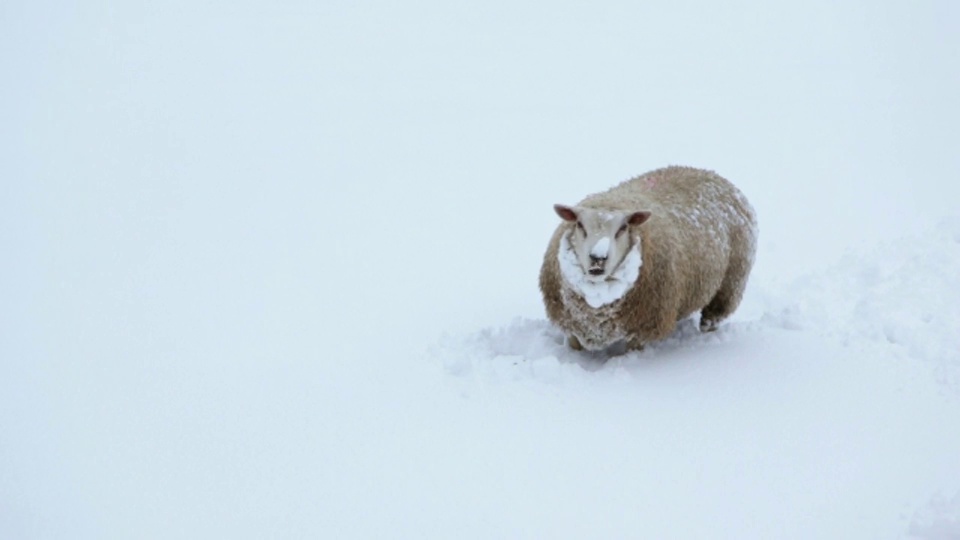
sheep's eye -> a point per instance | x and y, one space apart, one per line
622 229
580 226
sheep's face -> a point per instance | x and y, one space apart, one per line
600 239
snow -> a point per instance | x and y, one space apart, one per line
601 248
940 520
269 270
606 291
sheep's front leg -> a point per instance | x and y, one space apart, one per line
574 343
634 344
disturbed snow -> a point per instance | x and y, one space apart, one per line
858 368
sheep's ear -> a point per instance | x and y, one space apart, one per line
638 218
565 212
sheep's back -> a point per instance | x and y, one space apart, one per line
698 219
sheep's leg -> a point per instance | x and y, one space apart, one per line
634 344
727 298
574 343
708 324
717 310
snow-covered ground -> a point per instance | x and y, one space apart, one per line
270 270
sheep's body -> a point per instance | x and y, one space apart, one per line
697 249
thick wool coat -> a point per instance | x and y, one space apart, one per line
697 251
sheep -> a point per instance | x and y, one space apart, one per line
625 265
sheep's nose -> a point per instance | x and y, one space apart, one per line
596 265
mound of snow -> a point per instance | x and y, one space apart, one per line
526 348
902 295
939 520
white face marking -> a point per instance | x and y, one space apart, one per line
601 249
600 241
599 293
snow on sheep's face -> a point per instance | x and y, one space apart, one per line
600 239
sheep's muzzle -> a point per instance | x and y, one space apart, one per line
596 265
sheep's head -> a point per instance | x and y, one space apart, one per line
600 238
